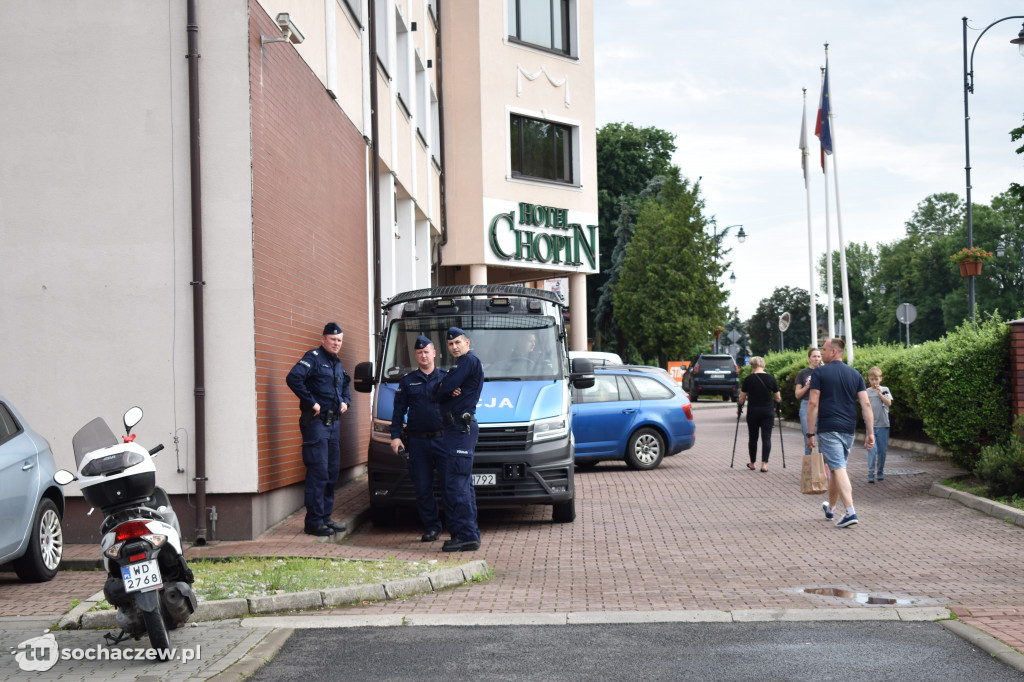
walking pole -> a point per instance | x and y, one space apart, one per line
735 437
782 441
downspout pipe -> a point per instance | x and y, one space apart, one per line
438 52
375 170
197 282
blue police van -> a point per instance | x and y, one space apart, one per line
525 452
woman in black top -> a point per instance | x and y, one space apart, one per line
763 391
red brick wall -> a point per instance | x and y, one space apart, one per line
1017 365
309 245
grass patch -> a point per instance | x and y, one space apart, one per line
973 486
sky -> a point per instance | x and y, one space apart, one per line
726 77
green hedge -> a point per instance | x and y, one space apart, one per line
956 390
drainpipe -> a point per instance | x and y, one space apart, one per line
375 170
197 282
440 125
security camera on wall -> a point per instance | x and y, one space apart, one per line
290 30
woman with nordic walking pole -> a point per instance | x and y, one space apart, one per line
764 395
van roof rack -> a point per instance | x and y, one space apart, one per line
474 291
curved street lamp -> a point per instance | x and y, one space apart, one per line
968 89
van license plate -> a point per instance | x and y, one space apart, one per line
144 576
485 479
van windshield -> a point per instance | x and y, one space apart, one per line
511 347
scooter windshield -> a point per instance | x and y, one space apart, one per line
93 436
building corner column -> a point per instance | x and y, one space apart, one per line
478 274
578 308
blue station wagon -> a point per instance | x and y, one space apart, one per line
632 412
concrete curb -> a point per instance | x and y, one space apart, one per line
984 505
990 645
82 617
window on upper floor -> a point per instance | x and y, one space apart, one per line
541 149
543 23
382 34
403 48
421 100
435 128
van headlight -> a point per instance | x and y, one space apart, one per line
550 429
381 431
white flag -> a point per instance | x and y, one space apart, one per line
803 145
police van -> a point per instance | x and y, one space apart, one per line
525 451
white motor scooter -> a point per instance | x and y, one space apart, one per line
148 579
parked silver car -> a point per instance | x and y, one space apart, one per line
31 503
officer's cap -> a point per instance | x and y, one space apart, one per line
454 333
332 328
422 342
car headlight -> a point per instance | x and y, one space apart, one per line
381 431
550 429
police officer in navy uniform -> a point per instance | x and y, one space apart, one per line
457 395
321 384
423 432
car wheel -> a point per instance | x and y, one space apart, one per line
45 545
564 512
646 449
693 396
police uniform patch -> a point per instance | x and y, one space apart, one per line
303 362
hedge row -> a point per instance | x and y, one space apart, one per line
955 390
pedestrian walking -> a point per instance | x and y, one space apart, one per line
762 390
322 386
416 426
802 390
457 394
880 399
836 388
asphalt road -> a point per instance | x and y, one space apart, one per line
814 651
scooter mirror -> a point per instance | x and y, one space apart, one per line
132 417
63 477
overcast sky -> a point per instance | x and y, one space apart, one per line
725 76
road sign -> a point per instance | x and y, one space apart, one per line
784 321
906 313
734 336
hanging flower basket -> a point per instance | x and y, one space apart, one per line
971 259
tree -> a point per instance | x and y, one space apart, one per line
861 264
627 159
667 295
763 326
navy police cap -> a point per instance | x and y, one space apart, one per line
332 328
454 333
421 342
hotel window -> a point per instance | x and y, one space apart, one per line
541 149
542 23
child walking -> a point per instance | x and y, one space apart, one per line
880 399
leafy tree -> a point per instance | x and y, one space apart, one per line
627 159
763 326
667 295
1016 189
861 264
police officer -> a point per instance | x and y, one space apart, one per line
423 432
457 395
321 384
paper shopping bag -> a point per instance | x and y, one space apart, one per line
813 477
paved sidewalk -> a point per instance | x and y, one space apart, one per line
694 535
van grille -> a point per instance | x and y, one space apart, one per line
504 438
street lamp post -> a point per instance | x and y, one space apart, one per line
741 237
969 88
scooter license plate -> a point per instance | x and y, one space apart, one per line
143 576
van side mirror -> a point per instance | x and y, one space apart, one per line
363 378
582 373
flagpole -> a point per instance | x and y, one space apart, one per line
828 233
847 327
804 154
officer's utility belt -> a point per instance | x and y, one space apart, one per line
424 434
328 417
464 419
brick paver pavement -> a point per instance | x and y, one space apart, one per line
697 534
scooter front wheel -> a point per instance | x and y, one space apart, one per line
157 633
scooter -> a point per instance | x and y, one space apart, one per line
148 579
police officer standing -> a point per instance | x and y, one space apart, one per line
457 395
423 432
321 384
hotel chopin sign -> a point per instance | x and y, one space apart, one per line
536 236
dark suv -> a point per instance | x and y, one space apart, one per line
712 375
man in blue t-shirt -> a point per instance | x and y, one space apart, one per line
836 388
